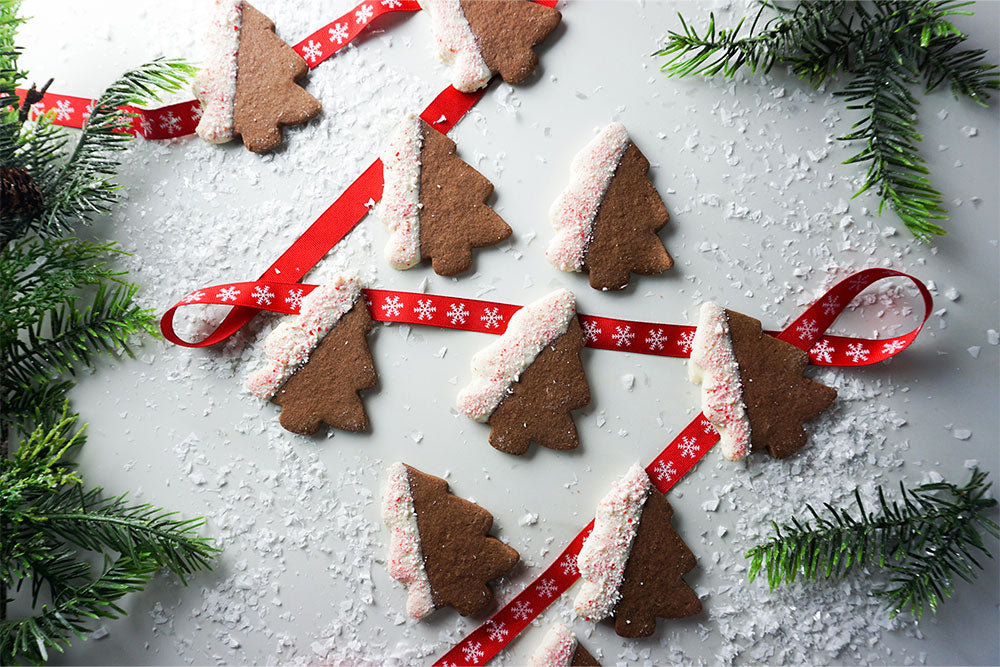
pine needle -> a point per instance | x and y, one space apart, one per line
883 50
926 539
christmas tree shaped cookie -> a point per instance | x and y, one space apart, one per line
526 383
318 361
607 219
752 389
560 648
480 38
248 88
633 560
433 203
439 545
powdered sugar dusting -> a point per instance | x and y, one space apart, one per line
215 84
573 212
713 365
406 560
496 367
457 45
288 347
604 553
400 205
556 649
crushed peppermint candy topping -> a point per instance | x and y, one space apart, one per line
496 367
406 560
713 365
573 212
556 649
215 84
400 205
457 45
288 347
605 552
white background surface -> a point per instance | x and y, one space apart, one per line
761 221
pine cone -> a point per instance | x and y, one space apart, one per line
19 196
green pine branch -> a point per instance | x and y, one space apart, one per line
926 539
884 48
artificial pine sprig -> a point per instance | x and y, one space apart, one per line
926 539
64 303
885 48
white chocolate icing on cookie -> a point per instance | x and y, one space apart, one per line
573 212
215 84
713 365
457 45
288 347
496 367
400 206
406 560
606 550
556 649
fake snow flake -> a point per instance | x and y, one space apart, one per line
457 313
424 309
228 294
392 306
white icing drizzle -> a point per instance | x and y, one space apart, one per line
573 212
606 550
496 367
557 648
288 347
215 84
457 45
400 206
713 365
406 560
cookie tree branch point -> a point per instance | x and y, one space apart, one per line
882 51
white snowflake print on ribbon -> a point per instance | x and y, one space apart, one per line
623 336
665 471
856 283
568 565
457 313
893 346
547 588
196 111
807 329
491 318
688 447
590 330
228 294
706 426
262 294
194 296
857 352
823 351
170 122
63 109
364 14
392 306
656 339
496 631
424 309
473 652
686 340
521 610
338 33
88 111
392 4
294 298
312 51
145 126
831 305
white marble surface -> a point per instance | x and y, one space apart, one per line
762 221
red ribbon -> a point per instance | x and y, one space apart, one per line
683 452
606 333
